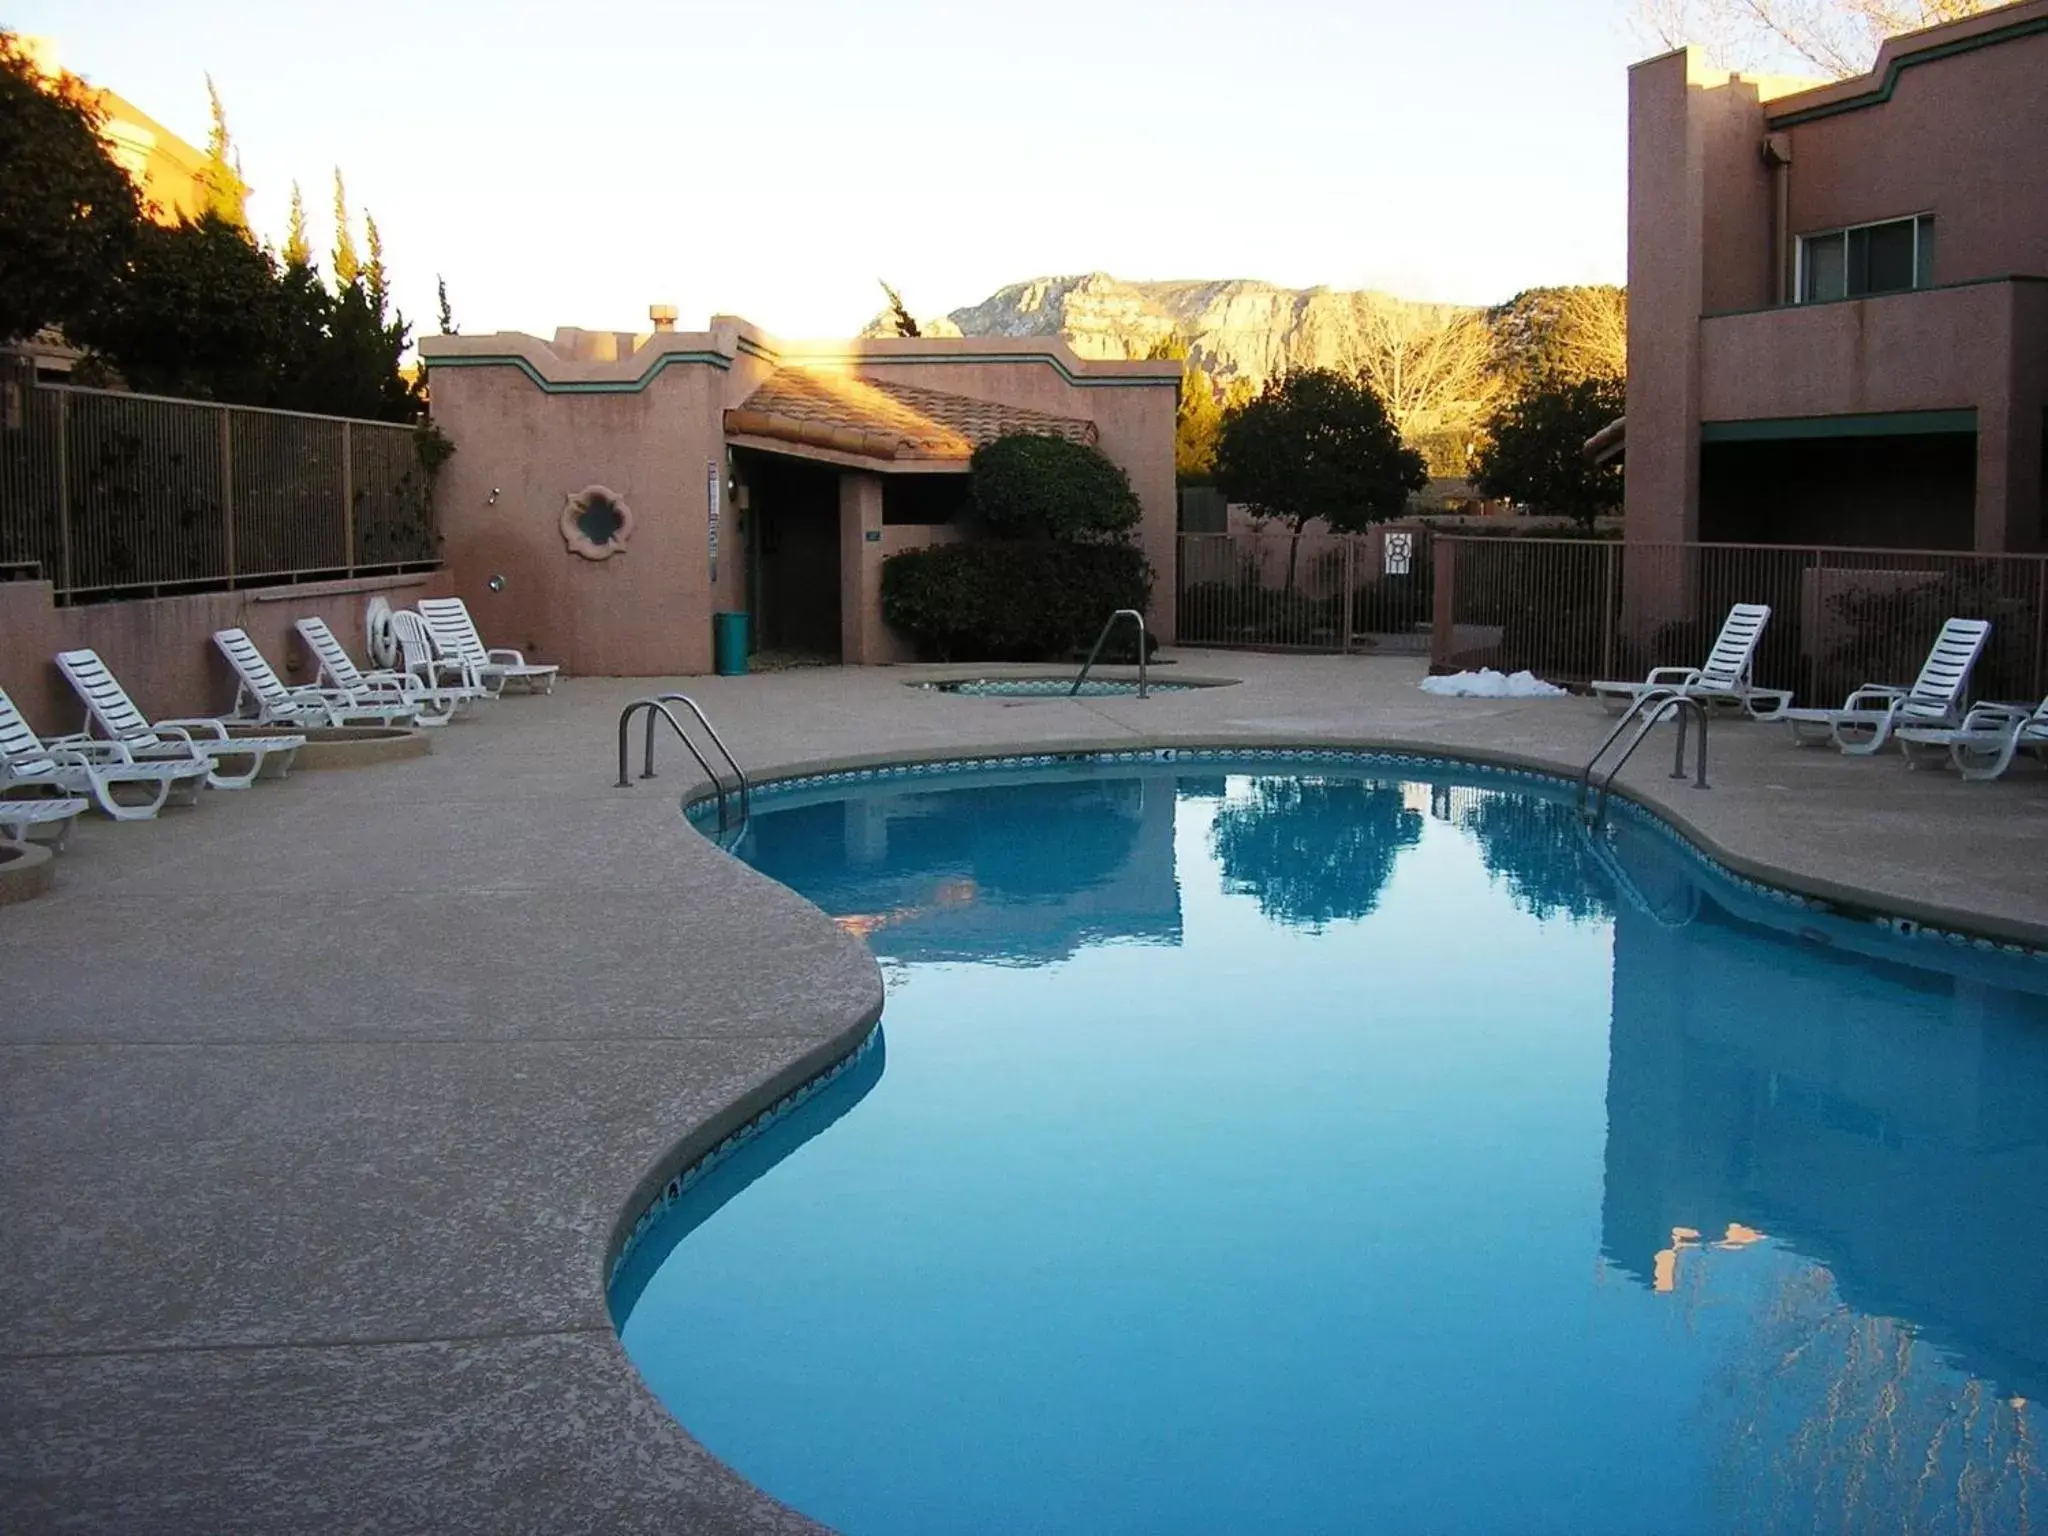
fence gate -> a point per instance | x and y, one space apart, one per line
1367 593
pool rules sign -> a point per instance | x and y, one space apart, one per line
711 502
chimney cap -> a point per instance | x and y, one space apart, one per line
663 316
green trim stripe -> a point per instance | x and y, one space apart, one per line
721 361
1770 429
1882 92
576 386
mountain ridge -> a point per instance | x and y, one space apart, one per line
1234 328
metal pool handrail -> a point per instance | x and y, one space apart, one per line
1136 618
658 705
1644 715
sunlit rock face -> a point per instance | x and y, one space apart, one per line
1235 327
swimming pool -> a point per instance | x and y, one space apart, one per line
1254 1145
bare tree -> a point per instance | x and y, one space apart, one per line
1432 366
1837 37
1561 335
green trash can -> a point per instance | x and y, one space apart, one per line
729 644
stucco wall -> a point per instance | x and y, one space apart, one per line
1964 137
645 611
1979 347
644 417
1665 245
162 648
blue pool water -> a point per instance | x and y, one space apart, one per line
1248 1151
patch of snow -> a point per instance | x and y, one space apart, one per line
1490 684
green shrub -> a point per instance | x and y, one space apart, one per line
1046 487
1008 600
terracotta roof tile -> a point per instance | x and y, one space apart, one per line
882 419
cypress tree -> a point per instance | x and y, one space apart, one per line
298 251
347 266
227 195
373 269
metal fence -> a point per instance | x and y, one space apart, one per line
1368 592
1575 610
111 495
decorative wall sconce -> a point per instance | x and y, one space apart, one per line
596 523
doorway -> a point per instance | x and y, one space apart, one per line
793 538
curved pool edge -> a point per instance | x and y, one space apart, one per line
808 1067
1971 923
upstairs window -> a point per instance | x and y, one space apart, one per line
1891 257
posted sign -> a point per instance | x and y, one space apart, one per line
1400 549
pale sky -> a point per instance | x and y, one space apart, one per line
571 164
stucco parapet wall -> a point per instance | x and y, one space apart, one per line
729 338
1930 349
2005 23
558 374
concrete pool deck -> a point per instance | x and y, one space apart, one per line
320 1103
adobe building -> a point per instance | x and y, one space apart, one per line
609 493
1838 296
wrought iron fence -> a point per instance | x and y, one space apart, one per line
110 495
1575 610
1368 592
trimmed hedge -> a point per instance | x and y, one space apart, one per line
1006 600
1028 487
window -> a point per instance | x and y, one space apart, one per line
1891 257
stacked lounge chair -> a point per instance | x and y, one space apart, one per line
264 697
437 704
456 639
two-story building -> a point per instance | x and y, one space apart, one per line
1838 296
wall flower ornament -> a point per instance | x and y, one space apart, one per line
596 523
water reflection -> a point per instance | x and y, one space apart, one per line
1819 1193
1314 851
1007 873
1536 847
1889 1126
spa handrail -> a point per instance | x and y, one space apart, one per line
658 705
1136 618
1644 715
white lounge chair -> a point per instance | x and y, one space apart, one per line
437 706
108 706
1868 717
456 639
1724 679
93 769
416 654
17 816
1985 744
264 698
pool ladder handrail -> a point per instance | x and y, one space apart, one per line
657 705
1087 666
1626 885
1648 709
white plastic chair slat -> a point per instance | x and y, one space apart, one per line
333 655
19 744
250 666
106 698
